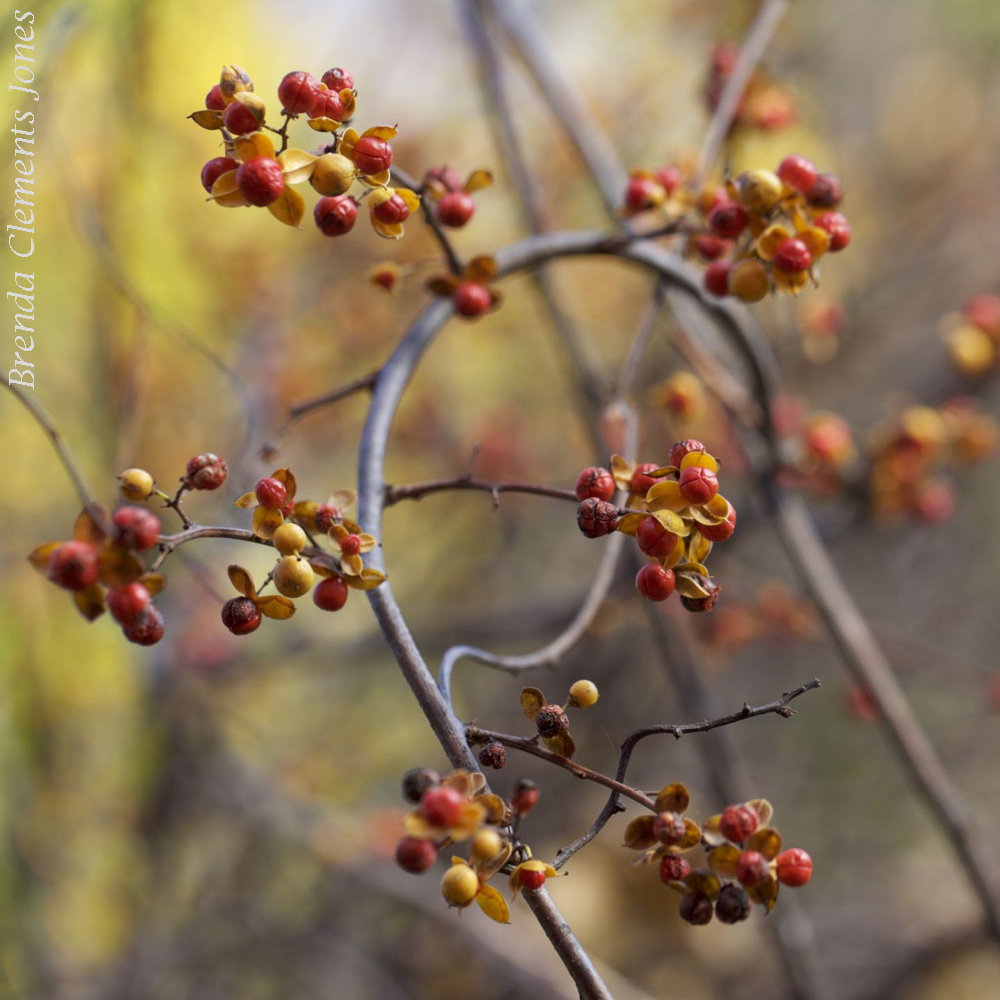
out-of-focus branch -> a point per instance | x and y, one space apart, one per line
751 52
55 436
298 410
415 491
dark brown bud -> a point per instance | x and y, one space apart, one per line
417 781
596 517
494 754
551 721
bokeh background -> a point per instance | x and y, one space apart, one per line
214 817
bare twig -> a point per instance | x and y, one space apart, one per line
55 436
455 264
297 410
415 491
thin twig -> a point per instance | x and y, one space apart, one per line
455 264
415 491
55 436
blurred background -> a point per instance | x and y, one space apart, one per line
215 817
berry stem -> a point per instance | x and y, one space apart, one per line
455 264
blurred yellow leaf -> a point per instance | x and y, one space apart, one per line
289 208
90 602
493 904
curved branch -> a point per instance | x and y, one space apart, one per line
416 491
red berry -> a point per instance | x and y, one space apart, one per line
531 879
327 104
147 629
684 448
350 545
792 256
326 515
471 299
260 180
837 226
752 869
710 247
795 867
696 909
642 482
128 602
738 822
214 169
338 79
525 796
393 210
335 216
825 192
669 828
372 155
214 100
641 193
669 178
239 119
797 172
727 220
983 310
241 616
297 91
447 177
720 532
654 582
441 805
414 855
270 493
74 565
136 528
455 208
654 539
595 481
674 868
596 518
717 277
206 472
698 484
330 594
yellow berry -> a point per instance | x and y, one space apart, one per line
584 693
333 174
760 190
293 577
135 484
971 350
459 885
289 539
486 844
749 280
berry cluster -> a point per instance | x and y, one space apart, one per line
745 863
455 809
764 103
252 172
912 455
674 512
759 233
103 563
973 336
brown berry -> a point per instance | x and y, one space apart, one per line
206 472
700 604
241 616
494 755
597 517
147 629
696 908
551 721
417 781
733 905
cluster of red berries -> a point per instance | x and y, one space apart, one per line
745 860
764 104
456 809
912 455
252 172
759 233
674 512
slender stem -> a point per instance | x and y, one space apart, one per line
455 264
55 436
415 491
297 410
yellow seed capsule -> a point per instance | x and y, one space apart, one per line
486 844
293 577
749 280
333 174
290 539
760 190
584 693
459 885
135 484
